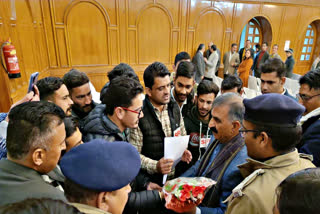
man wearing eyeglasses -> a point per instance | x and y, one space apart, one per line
271 132
309 97
273 77
121 109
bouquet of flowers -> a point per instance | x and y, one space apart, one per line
183 194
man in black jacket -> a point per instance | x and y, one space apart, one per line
77 83
197 122
121 109
289 63
182 92
162 118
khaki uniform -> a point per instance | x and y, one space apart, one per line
88 209
256 194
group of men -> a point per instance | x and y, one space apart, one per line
208 61
247 146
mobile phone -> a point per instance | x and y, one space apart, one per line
32 81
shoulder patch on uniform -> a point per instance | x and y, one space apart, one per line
237 191
306 156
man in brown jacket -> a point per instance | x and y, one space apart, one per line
271 132
231 60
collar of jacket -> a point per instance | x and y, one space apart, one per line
315 112
17 169
276 162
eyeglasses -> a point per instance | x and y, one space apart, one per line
305 97
244 130
137 112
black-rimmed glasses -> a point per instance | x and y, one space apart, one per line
305 97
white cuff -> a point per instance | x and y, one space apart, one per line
198 211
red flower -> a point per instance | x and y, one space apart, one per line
198 190
187 187
185 195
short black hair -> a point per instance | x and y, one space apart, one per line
156 69
299 192
207 87
186 69
39 205
230 82
122 69
266 43
47 86
312 79
71 125
284 139
214 47
234 44
258 46
273 65
78 194
75 78
200 47
181 56
120 93
35 122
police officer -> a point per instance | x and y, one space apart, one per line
98 175
271 132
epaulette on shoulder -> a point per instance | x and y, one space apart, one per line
306 156
237 191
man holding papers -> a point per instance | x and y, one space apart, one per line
223 154
162 118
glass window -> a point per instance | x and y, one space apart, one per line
308 33
256 39
309 49
307 57
251 23
312 33
302 57
250 38
311 41
250 30
304 49
257 31
309 26
306 41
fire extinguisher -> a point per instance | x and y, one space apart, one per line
11 59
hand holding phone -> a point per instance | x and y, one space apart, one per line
32 81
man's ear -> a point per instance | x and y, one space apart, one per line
148 91
119 112
38 157
265 139
283 80
102 201
236 125
241 91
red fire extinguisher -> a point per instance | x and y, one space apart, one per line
11 59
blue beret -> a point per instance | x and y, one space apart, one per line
273 110
100 165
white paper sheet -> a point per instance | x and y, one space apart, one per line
174 148
286 45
